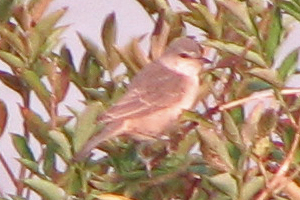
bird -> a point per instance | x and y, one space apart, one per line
155 98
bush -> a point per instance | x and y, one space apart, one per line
225 149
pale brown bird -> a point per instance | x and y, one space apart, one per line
156 97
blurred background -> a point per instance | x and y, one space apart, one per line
86 17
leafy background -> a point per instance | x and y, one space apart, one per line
222 177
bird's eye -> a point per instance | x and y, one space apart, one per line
184 55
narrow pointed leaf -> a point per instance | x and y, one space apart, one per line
64 147
62 83
109 33
237 50
42 31
86 125
231 129
268 75
267 123
3 117
215 151
13 39
249 129
226 183
32 166
289 65
239 9
22 147
38 8
46 189
251 187
46 25
35 125
12 60
53 40
274 34
291 8
13 82
49 161
213 25
91 48
38 87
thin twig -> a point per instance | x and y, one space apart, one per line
256 96
281 173
8 170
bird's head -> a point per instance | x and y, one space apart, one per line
184 55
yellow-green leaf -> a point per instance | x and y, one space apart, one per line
46 189
13 61
63 144
86 125
22 147
269 75
237 50
226 183
37 86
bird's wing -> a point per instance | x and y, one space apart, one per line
155 87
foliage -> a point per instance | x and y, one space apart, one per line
225 150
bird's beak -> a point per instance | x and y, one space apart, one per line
204 60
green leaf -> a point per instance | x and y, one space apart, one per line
73 181
53 40
3 117
35 125
237 50
289 65
267 123
45 26
231 129
250 85
13 40
214 26
38 87
240 10
249 128
46 189
269 75
109 33
32 166
274 34
86 125
49 161
92 49
62 142
291 8
226 183
91 72
13 61
5 9
215 151
22 147
251 187
42 31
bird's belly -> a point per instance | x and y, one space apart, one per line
154 124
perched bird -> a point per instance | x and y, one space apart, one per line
156 96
